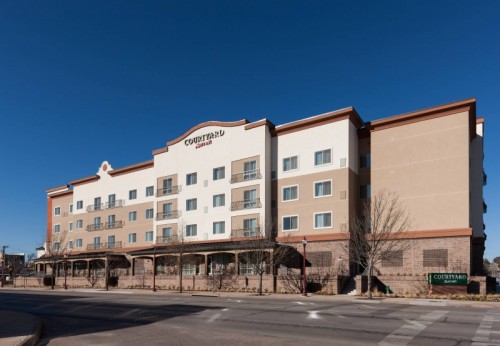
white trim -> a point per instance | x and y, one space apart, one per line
293 229
57 224
289 200
323 212
54 211
322 181
323 164
290 170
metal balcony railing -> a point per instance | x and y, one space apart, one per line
165 191
115 204
245 176
114 224
166 240
95 207
240 205
245 232
95 246
113 245
95 227
174 214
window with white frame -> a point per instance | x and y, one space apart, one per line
323 220
79 243
250 198
191 178
57 246
79 224
323 188
111 241
191 204
132 216
132 194
167 233
150 191
71 208
250 168
290 163
219 173
57 228
70 226
79 205
149 213
191 230
70 245
149 236
219 227
290 223
323 157
132 237
219 200
290 193
249 227
57 211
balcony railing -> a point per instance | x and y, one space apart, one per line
95 227
166 240
95 207
165 191
245 232
114 224
115 204
240 205
244 176
174 214
106 245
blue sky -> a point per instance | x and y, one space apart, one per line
86 81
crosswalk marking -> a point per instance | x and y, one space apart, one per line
484 332
403 335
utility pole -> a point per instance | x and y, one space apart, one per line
3 263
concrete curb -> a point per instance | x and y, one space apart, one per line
32 339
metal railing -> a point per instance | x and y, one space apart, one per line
95 227
95 207
95 246
174 214
165 191
245 176
166 240
250 204
245 232
105 245
115 204
114 224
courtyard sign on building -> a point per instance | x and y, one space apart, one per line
448 279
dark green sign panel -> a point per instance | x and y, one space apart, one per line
448 279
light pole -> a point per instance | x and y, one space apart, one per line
65 270
304 284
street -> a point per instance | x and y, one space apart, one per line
127 318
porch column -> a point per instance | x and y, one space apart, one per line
88 268
206 265
237 263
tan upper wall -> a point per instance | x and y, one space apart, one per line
427 164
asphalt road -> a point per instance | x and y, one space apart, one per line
98 318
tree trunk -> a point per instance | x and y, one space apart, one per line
53 281
180 273
260 283
369 293
106 273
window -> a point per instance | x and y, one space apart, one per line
70 226
150 191
250 169
79 243
191 178
111 241
132 194
132 237
323 157
57 228
250 198
167 233
365 191
70 245
97 203
57 211
290 163
249 227
191 230
111 221
219 227
219 200
71 208
167 186
290 223
57 246
79 224
149 236
365 161
167 210
79 205
111 201
191 204
149 213
290 193
323 220
219 173
323 188
97 243
97 222
132 216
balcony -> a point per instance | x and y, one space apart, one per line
166 240
115 204
245 232
165 191
103 246
240 205
95 227
114 224
95 207
174 214
246 176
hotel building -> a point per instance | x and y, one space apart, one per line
220 183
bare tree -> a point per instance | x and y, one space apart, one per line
377 232
180 244
56 248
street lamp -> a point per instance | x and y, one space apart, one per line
304 284
65 270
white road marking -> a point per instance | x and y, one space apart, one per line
483 333
313 315
403 335
213 318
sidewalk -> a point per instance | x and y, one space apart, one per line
18 328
